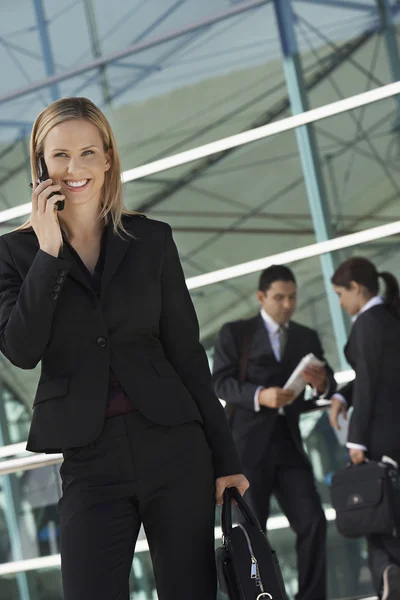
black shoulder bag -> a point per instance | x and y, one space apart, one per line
363 497
247 567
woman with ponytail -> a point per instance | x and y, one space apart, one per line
373 350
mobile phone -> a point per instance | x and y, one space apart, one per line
43 176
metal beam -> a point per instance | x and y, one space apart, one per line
159 20
96 48
137 66
181 45
389 33
195 214
290 231
340 4
133 49
42 27
309 157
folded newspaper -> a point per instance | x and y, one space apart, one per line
296 381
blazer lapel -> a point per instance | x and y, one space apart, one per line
261 343
75 271
348 352
116 248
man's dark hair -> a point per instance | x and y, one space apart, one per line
272 274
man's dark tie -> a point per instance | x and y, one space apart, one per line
282 340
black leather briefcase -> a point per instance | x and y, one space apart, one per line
247 567
363 497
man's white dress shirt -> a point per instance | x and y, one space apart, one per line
272 328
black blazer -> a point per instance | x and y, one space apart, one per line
252 430
373 350
143 325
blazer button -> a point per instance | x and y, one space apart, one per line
101 342
60 279
57 288
54 296
62 272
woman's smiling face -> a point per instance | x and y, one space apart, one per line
76 159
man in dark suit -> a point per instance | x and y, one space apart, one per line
253 360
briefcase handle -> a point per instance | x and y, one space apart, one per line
230 494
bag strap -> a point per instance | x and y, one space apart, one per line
244 356
226 513
245 336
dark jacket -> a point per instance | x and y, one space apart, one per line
252 430
143 325
373 350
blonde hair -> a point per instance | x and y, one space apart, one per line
66 109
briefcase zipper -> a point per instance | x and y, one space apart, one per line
255 570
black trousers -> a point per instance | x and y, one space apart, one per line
139 472
286 473
383 550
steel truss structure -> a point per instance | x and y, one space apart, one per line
298 84
292 25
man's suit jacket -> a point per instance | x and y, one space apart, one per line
143 325
373 350
252 430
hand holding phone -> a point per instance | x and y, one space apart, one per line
44 219
44 176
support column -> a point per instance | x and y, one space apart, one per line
310 164
389 33
96 49
13 504
42 27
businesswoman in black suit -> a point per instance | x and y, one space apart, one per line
373 350
97 294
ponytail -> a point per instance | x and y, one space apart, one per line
364 272
392 293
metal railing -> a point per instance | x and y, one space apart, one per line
28 462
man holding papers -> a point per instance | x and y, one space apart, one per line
253 361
